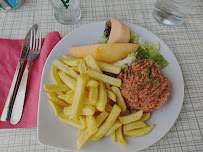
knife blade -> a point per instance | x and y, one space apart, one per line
5 116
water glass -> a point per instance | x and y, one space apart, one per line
172 12
66 11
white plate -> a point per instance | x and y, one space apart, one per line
52 132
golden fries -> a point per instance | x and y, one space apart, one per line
68 57
92 83
91 124
91 62
113 135
111 95
69 121
139 132
108 108
55 76
145 117
131 117
108 123
59 93
134 125
119 136
56 107
82 67
68 97
71 62
78 95
86 134
102 98
56 87
67 80
119 98
65 68
101 117
109 67
83 121
52 96
93 94
91 101
75 68
104 78
115 126
87 110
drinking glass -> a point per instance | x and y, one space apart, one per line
172 12
66 11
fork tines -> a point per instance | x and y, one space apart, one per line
35 40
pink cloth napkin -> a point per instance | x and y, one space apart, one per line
10 51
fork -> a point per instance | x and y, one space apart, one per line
35 48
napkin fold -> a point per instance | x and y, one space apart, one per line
10 51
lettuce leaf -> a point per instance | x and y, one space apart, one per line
157 57
148 50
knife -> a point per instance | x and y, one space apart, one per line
5 116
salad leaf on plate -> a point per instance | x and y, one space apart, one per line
148 50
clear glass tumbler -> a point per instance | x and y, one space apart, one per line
172 12
66 11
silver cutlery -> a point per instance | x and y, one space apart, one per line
35 48
5 116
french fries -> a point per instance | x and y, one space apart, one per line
83 121
102 98
113 135
71 62
104 78
55 76
68 57
71 122
91 62
86 134
52 96
82 67
92 83
78 95
111 95
109 67
139 132
91 101
75 68
134 125
145 117
108 108
59 93
86 110
56 87
68 97
91 124
131 117
115 126
108 123
70 82
93 94
119 98
101 117
119 136
65 68
56 107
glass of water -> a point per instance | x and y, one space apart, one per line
66 11
172 12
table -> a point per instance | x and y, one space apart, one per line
186 42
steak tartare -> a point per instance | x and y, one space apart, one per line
143 86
